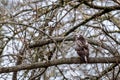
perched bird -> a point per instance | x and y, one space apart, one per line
81 47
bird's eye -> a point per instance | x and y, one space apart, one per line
82 49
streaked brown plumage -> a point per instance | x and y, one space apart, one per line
81 46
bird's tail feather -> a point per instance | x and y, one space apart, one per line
86 60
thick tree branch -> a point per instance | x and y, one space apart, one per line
48 41
72 60
60 39
106 10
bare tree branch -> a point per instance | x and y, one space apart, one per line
87 20
101 7
72 60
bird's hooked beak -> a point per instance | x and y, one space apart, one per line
76 35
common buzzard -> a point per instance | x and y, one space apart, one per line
81 47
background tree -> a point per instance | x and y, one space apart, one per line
37 39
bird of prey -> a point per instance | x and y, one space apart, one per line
81 47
